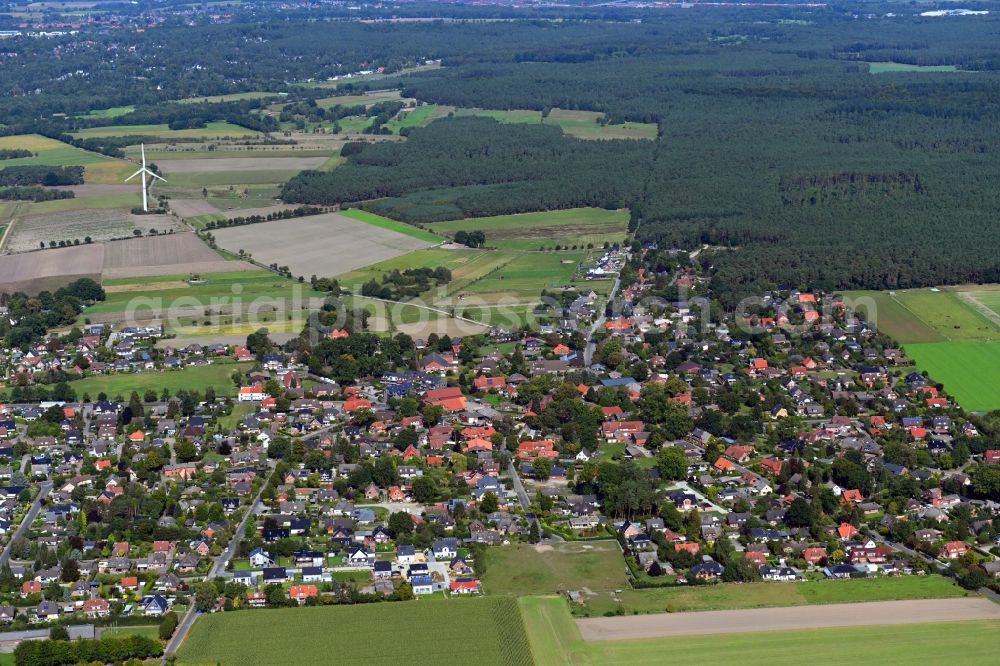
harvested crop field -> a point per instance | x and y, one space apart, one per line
76 225
322 245
775 619
164 255
47 270
230 164
169 254
192 207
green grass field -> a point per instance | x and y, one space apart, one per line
209 178
213 130
418 117
232 97
356 100
113 112
435 632
216 375
581 124
898 67
555 640
530 231
766 595
524 570
951 333
925 315
217 288
968 369
97 168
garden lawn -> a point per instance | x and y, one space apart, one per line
555 640
547 569
767 595
432 632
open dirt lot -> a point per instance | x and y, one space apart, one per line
230 164
322 245
774 619
47 270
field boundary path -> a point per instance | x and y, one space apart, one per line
754 620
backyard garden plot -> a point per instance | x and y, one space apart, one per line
429 631
49 152
322 245
532 231
40 227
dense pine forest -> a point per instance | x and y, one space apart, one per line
774 137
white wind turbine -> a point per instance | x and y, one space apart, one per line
143 171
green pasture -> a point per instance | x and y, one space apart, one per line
216 289
212 130
898 67
766 595
435 632
49 152
968 369
531 231
216 375
523 570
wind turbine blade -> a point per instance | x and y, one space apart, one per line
133 175
142 147
156 176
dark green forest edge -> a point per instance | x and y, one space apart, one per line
774 138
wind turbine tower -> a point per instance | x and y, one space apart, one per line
143 171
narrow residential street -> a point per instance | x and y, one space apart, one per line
29 518
215 571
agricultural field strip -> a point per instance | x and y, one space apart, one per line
427 632
788 618
239 164
555 640
323 245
